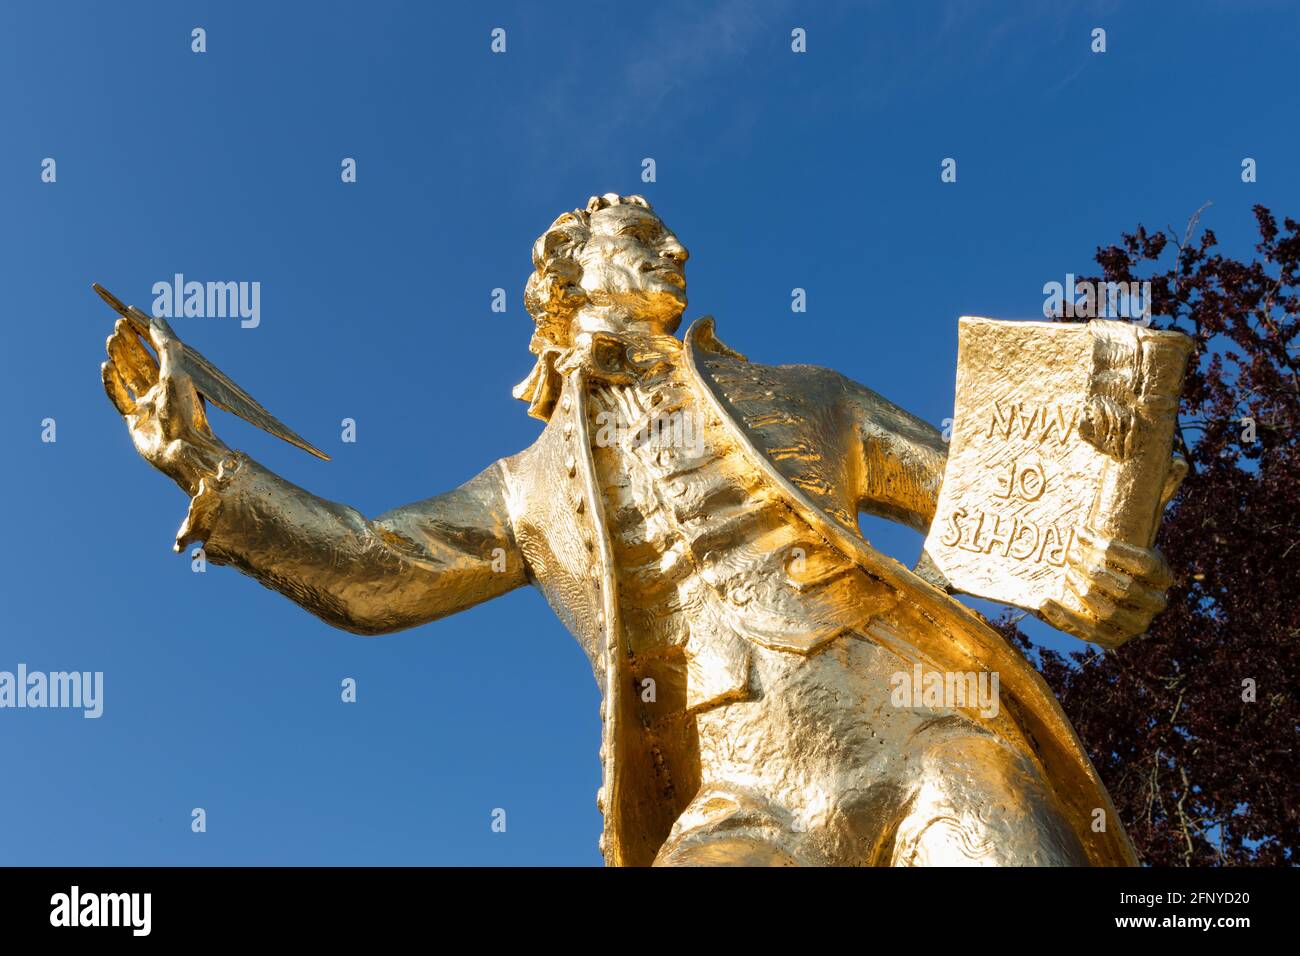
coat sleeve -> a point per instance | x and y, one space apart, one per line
902 459
407 567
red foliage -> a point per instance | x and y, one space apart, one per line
1199 775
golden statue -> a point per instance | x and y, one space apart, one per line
775 691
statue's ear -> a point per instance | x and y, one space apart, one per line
556 238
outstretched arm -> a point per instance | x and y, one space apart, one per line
410 566
405 568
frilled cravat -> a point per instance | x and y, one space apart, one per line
605 357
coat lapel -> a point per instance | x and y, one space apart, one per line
924 624
581 466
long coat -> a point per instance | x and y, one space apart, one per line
538 517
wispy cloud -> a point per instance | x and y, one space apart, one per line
669 64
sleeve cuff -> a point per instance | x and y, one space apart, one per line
205 506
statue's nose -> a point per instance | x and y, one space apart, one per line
675 251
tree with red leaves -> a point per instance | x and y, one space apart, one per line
1193 726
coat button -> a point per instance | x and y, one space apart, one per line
565 403
600 799
570 465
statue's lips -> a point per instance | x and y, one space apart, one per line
669 273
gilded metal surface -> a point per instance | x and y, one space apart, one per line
209 381
775 691
1062 439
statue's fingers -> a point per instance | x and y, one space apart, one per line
1089 547
1116 585
116 389
135 365
179 405
1146 564
169 348
1109 612
1129 592
141 360
1162 576
1147 599
1095 577
1177 472
1080 625
182 406
1064 619
179 393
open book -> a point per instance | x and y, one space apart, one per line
1057 426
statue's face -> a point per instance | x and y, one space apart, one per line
635 264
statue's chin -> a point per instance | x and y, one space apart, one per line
665 322
657 311
665 308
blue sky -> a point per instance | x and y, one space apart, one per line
777 170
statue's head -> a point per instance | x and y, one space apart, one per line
614 263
